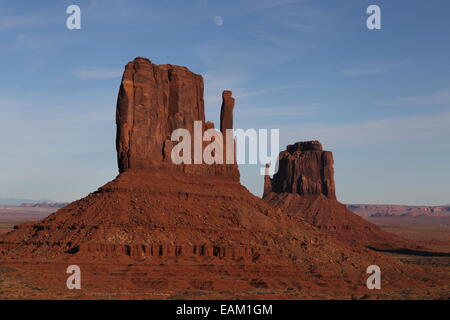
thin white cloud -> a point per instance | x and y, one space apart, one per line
15 21
374 67
301 18
98 73
216 82
440 97
32 43
269 4
267 91
416 128
275 111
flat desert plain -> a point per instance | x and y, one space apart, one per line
432 232
14 215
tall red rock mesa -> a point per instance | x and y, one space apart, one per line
304 186
153 101
304 169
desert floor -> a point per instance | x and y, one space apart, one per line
22 280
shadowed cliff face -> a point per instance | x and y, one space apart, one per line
304 169
153 101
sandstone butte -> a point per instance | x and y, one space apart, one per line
304 186
159 230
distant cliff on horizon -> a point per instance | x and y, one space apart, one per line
19 201
44 204
28 203
387 210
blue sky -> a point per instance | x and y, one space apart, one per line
379 99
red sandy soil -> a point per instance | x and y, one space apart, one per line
139 239
165 279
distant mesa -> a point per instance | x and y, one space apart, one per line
17 201
386 210
43 204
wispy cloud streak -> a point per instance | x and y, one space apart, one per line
98 73
440 97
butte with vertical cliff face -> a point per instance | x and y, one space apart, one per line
189 218
304 186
